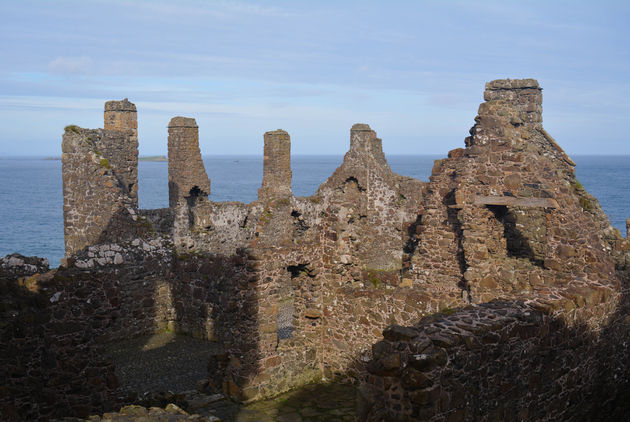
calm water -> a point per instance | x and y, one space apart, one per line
31 198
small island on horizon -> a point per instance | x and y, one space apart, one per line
155 158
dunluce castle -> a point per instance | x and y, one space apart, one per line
495 291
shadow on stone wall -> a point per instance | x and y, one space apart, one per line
52 363
503 360
54 326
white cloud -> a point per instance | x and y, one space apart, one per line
76 65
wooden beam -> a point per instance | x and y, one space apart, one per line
511 201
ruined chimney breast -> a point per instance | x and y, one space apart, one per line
119 144
121 115
524 95
276 165
187 177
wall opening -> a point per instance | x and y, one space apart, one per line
286 306
286 311
355 181
411 244
525 232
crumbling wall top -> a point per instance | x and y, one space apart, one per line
501 84
361 126
180 121
186 173
276 165
364 143
122 105
520 99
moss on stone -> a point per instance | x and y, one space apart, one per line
265 216
282 202
72 128
105 163
374 276
586 204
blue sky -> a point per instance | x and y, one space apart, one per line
414 70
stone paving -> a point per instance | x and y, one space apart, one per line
168 362
161 362
311 403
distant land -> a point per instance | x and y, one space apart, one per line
159 158
155 158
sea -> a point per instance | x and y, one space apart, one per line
31 217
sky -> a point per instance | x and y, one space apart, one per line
414 70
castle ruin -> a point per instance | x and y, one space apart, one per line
451 299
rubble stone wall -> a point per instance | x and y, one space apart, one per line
97 204
500 361
511 207
51 361
55 323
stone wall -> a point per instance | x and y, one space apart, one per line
100 179
510 207
55 324
16 265
51 362
511 361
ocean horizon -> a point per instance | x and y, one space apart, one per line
31 192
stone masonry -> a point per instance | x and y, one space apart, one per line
276 166
122 116
473 277
188 182
187 178
100 178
